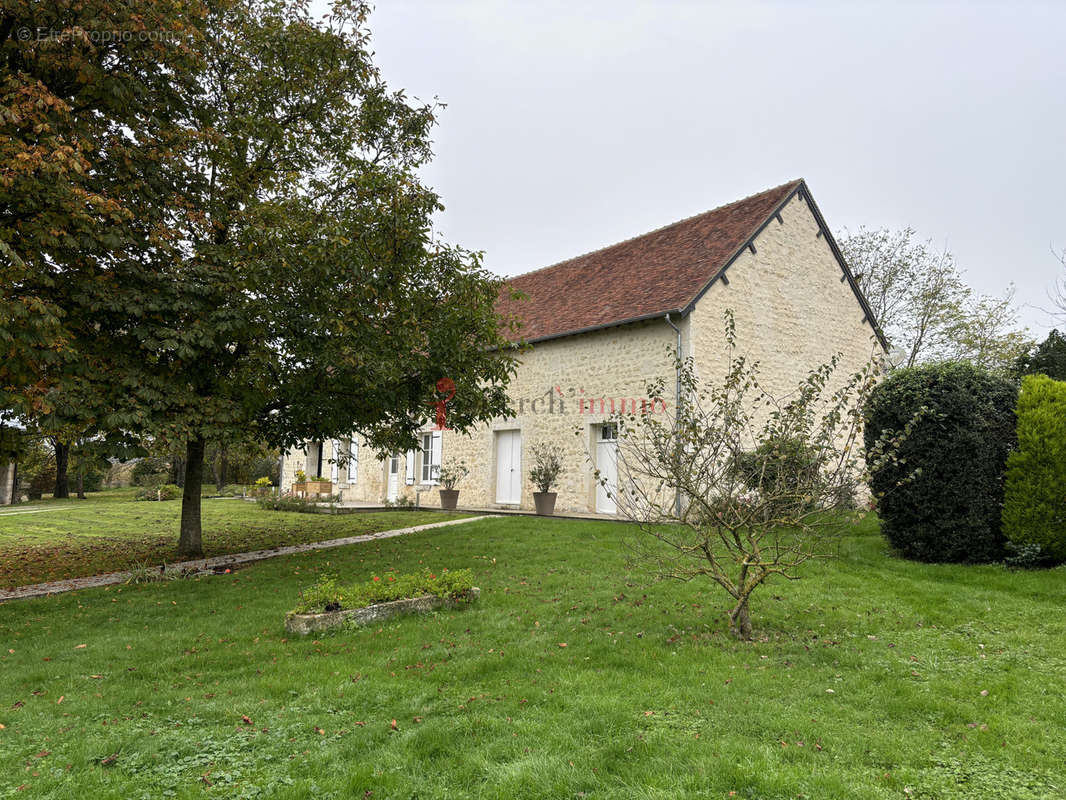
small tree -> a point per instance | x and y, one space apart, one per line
453 472
546 467
743 486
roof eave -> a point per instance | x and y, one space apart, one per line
604 326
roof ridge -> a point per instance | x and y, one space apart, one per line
793 182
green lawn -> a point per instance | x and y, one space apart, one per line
110 531
873 678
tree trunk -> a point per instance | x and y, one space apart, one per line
62 490
81 485
740 620
190 541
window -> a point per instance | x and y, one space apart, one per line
353 460
431 452
608 433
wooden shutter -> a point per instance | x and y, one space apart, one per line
436 449
410 467
353 460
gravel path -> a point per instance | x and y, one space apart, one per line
210 565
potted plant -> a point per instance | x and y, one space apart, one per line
545 474
450 474
299 485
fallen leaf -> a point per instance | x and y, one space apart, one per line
319 731
394 726
562 644
60 700
418 719
96 676
360 724
111 759
80 646
41 754
246 720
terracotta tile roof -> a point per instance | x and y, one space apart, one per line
651 274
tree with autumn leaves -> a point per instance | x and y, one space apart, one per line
264 265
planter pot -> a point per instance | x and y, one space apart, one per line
308 488
449 498
304 624
544 503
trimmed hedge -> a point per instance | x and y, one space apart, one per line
1034 504
950 510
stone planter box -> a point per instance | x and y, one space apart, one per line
368 615
308 488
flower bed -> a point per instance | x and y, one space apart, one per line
329 605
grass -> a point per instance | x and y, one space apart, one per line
571 677
110 531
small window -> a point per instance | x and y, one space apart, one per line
431 455
608 433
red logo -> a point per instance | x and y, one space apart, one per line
445 386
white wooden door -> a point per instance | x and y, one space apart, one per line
607 464
393 491
509 467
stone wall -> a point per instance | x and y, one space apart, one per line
791 308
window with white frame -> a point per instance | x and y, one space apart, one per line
431 453
353 460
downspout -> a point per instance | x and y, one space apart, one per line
677 406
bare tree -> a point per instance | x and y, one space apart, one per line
1058 291
924 307
987 333
915 290
742 486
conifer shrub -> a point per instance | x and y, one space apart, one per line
1034 503
941 498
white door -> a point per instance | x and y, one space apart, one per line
607 464
393 491
509 467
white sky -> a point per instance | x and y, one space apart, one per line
570 126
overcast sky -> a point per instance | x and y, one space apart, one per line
573 125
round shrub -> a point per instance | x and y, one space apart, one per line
1034 503
167 491
949 510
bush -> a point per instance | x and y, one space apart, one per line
149 472
289 502
940 499
166 491
328 595
1034 503
784 467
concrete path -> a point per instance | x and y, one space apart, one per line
11 511
210 565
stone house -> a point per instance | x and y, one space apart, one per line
603 325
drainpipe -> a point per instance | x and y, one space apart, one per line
677 407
